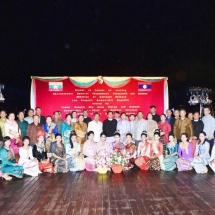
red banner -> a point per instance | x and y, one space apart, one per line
63 95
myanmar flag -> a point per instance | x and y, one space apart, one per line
55 86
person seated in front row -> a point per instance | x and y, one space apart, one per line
74 156
8 161
130 152
103 152
201 156
156 159
89 151
58 158
27 160
143 152
171 154
117 145
39 152
102 147
185 154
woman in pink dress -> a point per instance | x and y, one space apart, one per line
89 151
12 130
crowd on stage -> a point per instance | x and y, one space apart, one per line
175 140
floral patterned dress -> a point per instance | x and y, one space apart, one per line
74 157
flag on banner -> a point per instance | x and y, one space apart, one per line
145 86
55 86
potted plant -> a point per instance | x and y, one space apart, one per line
118 161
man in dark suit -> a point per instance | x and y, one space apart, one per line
42 119
198 125
155 116
170 119
87 119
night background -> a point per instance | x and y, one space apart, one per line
108 38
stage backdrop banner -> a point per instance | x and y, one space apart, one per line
99 94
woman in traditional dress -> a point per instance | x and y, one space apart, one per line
29 163
130 152
12 130
59 155
165 128
66 128
39 152
201 155
143 152
102 147
102 152
51 130
89 151
171 154
9 165
80 128
74 155
151 126
185 154
156 159
117 145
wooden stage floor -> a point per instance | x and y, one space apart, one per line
134 192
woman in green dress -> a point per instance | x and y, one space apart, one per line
171 154
66 128
9 165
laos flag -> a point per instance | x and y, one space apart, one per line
144 86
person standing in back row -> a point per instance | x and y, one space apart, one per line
183 125
87 119
209 126
140 125
57 120
198 127
155 116
42 119
109 127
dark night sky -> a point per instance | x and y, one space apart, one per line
144 38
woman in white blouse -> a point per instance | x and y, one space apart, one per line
27 160
12 130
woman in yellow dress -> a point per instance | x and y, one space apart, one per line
80 128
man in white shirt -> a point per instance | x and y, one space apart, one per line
209 126
96 127
132 120
29 118
140 125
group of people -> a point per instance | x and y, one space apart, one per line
35 144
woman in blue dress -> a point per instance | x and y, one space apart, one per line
9 165
171 154
201 155
66 128
74 156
